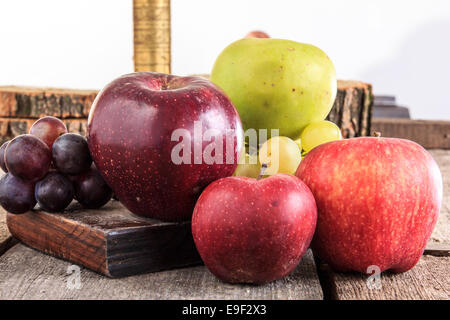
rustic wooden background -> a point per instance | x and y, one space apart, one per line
29 274
21 106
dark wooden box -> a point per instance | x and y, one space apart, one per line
111 240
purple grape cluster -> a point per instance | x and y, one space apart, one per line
50 167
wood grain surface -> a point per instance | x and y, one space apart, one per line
352 109
110 240
32 102
27 274
429 134
21 106
428 280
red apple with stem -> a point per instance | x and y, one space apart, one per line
158 140
254 231
378 200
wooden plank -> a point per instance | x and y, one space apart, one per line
437 249
110 240
152 44
31 102
428 280
20 106
27 274
429 134
441 233
6 241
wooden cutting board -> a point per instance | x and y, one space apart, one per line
110 240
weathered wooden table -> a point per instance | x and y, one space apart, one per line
29 274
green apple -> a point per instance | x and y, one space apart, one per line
277 84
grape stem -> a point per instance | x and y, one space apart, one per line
261 172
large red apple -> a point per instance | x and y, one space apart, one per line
254 231
153 137
378 200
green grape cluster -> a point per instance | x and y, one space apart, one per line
282 154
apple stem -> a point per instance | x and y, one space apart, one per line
376 134
263 169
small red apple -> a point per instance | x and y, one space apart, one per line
378 200
254 231
257 34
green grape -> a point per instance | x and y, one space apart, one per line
299 143
318 133
248 166
281 154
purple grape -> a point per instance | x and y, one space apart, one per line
16 195
48 129
54 193
71 155
2 156
28 157
91 190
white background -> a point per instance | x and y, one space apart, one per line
402 47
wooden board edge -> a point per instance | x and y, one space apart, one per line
326 279
179 250
33 229
437 249
330 279
7 244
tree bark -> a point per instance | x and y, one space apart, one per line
23 102
20 107
352 109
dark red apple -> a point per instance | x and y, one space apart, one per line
257 34
378 200
254 231
135 129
